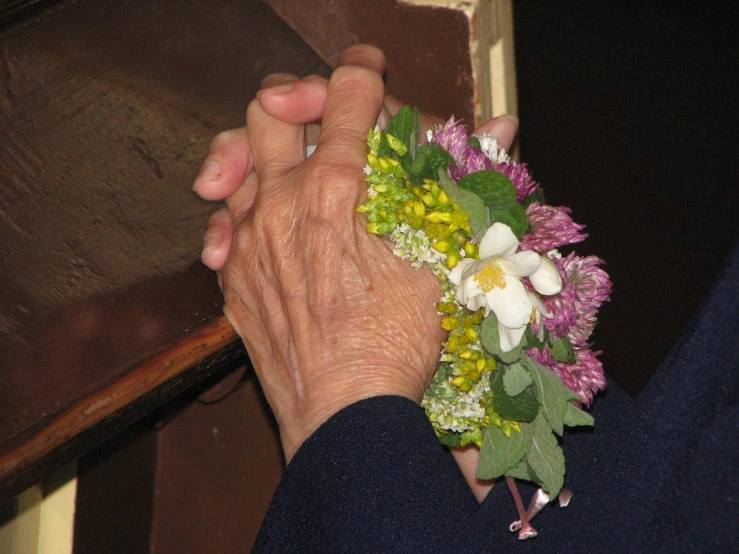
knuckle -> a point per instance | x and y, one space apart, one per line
365 55
355 78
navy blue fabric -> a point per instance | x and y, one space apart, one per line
658 474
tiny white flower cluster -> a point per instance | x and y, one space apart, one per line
414 245
489 145
456 411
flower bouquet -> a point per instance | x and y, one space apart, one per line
517 365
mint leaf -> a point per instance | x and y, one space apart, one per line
575 417
516 379
492 186
415 133
530 341
469 202
474 142
552 394
429 161
536 196
491 341
401 125
561 349
499 195
522 407
545 457
511 214
522 470
500 453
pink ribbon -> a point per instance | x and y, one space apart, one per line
539 500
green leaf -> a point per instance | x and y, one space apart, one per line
415 133
492 186
511 214
401 125
552 394
522 407
500 453
522 470
530 341
536 196
429 161
469 202
491 341
474 142
575 417
545 457
450 439
516 379
561 349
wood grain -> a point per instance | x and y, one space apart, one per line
121 402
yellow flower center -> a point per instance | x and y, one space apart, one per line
491 277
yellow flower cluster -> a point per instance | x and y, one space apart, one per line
460 398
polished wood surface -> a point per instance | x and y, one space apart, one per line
106 112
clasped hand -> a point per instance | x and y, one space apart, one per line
328 314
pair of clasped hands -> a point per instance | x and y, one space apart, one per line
328 314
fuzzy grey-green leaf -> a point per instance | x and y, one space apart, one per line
552 394
522 470
500 453
574 417
472 204
561 349
516 379
545 456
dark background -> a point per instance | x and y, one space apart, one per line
628 115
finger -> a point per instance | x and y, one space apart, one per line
217 240
363 55
241 201
277 79
277 145
226 166
298 101
503 128
353 104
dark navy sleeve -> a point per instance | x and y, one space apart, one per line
373 478
658 474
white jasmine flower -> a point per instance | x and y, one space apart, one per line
494 282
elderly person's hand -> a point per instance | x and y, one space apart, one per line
328 314
294 102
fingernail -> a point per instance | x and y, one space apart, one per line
211 241
210 171
276 90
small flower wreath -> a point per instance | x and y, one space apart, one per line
517 364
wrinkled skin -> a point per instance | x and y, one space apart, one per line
328 314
